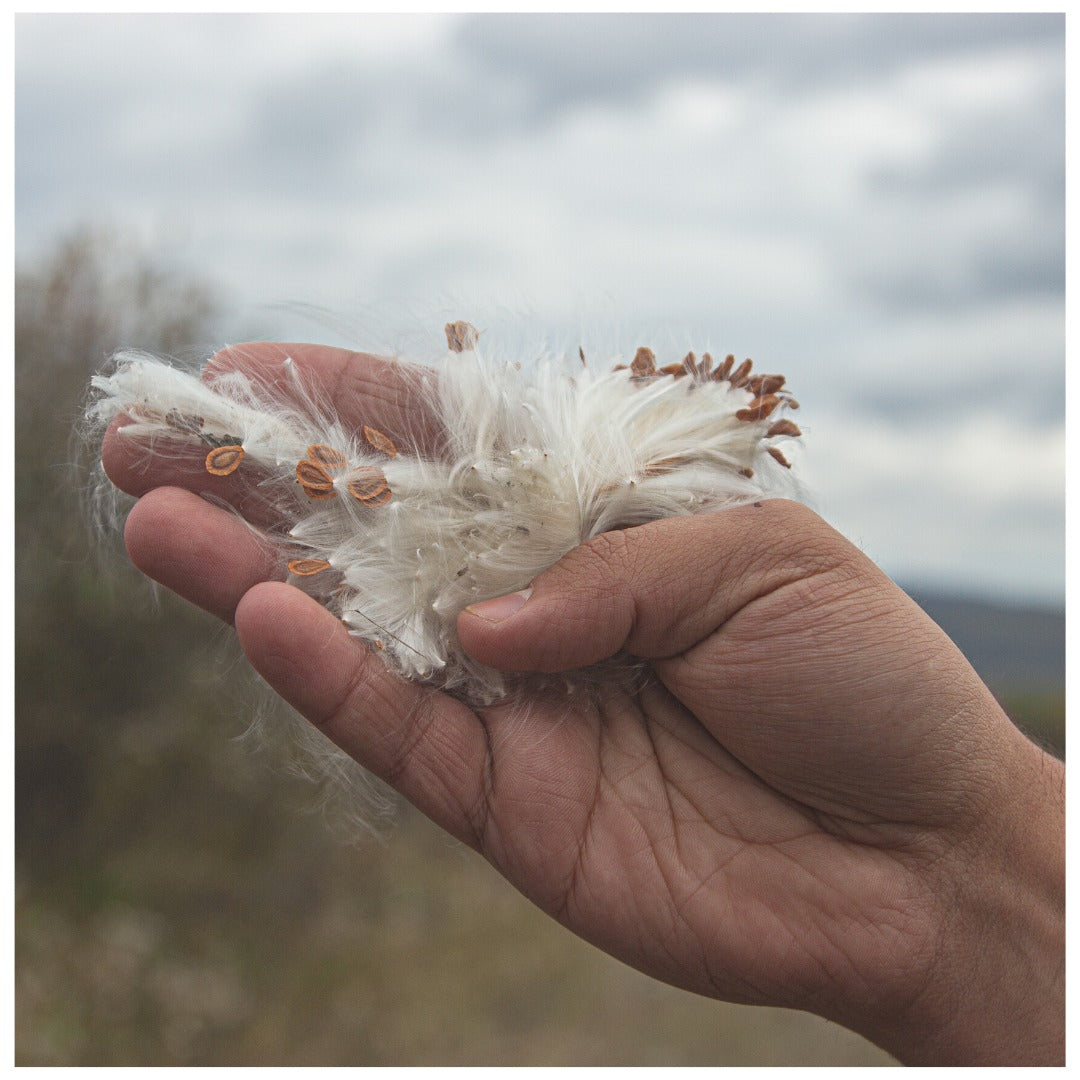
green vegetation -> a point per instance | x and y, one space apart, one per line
1041 716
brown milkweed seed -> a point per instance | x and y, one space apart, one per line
322 454
367 484
224 460
315 479
759 408
741 375
724 370
779 457
644 362
381 499
783 427
378 440
765 384
460 336
307 567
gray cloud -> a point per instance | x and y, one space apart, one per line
1012 266
504 73
1022 142
1037 398
1012 156
737 179
617 59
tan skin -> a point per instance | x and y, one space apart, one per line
815 803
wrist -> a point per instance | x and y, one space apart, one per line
994 993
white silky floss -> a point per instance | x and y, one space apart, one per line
528 461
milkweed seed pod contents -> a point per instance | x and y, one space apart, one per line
513 465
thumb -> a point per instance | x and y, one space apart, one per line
654 590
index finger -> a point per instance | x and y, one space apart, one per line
427 745
358 388
354 388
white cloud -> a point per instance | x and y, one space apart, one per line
984 81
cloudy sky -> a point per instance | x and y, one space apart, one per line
873 205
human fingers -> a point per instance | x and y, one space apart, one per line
136 472
357 389
428 746
202 552
654 590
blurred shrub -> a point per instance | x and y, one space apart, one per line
89 646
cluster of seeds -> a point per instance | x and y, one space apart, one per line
316 474
325 470
767 390
529 466
366 484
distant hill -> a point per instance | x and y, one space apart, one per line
1014 649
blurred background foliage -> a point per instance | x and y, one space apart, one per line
176 901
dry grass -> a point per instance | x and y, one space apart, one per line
311 953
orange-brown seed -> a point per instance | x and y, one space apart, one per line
325 455
779 457
223 460
381 499
367 484
759 408
741 375
783 427
307 567
460 336
644 362
378 440
314 477
765 384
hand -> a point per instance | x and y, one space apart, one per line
814 802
